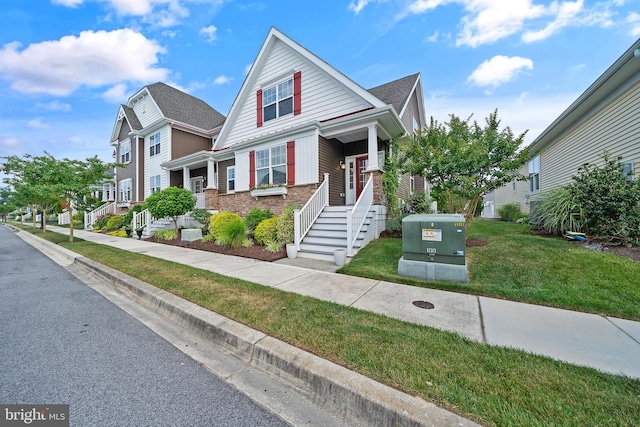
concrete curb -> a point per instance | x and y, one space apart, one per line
353 397
60 255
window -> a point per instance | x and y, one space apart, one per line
534 175
125 152
154 144
277 101
271 166
627 169
154 184
231 179
125 190
514 187
197 185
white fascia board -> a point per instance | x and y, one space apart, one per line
188 160
385 117
297 131
417 89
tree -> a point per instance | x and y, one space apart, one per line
6 202
463 161
171 202
46 181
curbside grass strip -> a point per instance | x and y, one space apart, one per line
353 397
62 256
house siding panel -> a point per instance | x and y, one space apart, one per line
147 111
222 175
322 96
331 153
152 163
184 143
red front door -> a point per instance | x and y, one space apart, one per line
361 166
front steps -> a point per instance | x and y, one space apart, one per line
329 233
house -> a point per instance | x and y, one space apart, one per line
298 132
606 117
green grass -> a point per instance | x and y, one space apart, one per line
521 267
491 385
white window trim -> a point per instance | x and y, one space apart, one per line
277 99
158 187
535 172
271 165
156 143
122 192
234 179
124 152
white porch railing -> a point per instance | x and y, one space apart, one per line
141 219
64 218
91 217
357 215
305 217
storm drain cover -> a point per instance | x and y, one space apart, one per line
423 304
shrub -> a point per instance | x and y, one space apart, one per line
273 247
419 203
101 221
78 217
201 215
165 234
395 225
114 223
171 202
266 231
509 212
558 212
255 217
285 225
217 221
232 233
127 217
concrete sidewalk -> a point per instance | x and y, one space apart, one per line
608 344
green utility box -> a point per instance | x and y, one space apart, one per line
433 247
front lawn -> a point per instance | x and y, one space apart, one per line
519 266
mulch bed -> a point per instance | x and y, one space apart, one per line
255 251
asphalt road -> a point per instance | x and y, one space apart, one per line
63 343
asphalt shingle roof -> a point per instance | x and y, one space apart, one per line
182 107
395 93
132 118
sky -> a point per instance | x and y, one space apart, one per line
67 65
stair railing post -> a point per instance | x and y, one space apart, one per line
297 228
349 231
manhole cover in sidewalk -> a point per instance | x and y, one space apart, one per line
423 304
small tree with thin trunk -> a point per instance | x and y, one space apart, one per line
170 202
463 160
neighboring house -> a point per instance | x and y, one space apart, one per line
298 129
606 117
160 124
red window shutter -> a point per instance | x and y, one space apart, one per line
297 93
291 163
259 107
252 169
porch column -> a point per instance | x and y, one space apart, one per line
211 174
186 178
111 192
373 148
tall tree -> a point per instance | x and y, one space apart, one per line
7 204
464 161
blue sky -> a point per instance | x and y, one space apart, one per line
66 65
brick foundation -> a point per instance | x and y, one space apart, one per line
241 202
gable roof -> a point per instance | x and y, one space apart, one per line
397 92
132 118
246 89
182 107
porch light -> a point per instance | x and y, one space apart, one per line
342 165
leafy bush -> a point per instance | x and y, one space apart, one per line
255 217
165 234
395 225
509 212
216 222
285 225
419 203
273 247
171 202
114 223
200 215
266 231
78 217
609 200
101 221
232 233
559 212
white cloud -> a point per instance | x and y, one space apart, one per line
434 37
209 32
499 70
222 79
634 20
565 15
358 5
54 106
93 59
68 3
37 123
116 94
